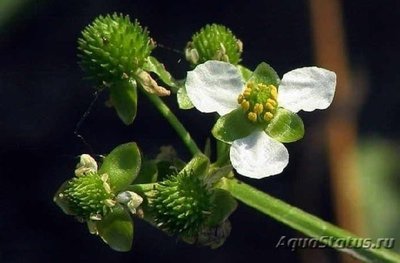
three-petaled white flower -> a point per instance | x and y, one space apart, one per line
217 86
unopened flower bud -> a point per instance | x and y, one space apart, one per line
113 47
214 42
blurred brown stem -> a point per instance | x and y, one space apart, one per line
341 129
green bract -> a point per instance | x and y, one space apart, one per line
122 165
214 42
93 195
286 126
123 96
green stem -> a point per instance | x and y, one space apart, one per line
306 223
141 188
173 120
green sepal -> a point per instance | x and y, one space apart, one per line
232 126
148 173
244 72
286 126
198 165
222 153
183 99
265 74
122 166
215 174
116 229
123 95
62 201
153 65
223 205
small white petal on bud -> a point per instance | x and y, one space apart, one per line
110 203
192 55
106 185
240 45
86 165
95 217
150 85
131 199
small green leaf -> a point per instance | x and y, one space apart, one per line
232 126
116 229
183 99
153 65
244 72
123 96
265 74
223 206
122 166
62 201
198 165
148 173
215 175
286 126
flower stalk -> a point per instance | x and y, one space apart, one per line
304 222
175 123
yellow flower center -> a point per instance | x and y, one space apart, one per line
259 101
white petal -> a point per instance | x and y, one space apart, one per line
214 87
258 155
307 89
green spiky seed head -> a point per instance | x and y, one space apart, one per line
214 42
113 47
88 197
181 204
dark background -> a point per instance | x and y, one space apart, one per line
43 96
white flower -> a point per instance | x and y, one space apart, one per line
215 86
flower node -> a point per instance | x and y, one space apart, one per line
89 196
259 102
181 204
112 48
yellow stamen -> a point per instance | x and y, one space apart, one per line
245 105
274 91
268 116
272 102
252 116
247 92
258 108
240 99
262 86
269 106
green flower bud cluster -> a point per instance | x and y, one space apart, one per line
89 196
98 196
181 204
214 42
112 48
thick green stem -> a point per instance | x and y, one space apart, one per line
173 120
308 224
